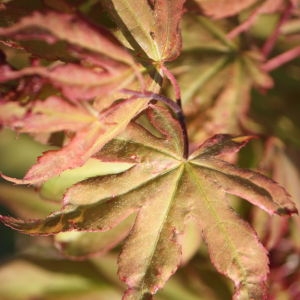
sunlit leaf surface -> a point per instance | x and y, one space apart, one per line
165 189
142 108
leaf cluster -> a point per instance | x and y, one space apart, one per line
145 108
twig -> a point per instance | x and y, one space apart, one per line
270 42
281 59
174 83
245 25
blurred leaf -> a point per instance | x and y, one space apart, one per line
80 245
53 279
14 162
224 8
283 171
25 202
55 187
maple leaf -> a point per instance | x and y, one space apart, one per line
152 31
166 190
106 67
223 8
92 131
98 57
97 81
55 26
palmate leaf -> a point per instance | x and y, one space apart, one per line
166 191
97 56
55 26
92 132
152 32
224 8
97 81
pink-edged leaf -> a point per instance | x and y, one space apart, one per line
167 35
228 238
49 115
220 144
11 112
70 28
166 191
223 8
83 84
86 142
144 253
250 185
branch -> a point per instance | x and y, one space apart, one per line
270 42
281 59
245 25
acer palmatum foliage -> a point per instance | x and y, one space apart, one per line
152 103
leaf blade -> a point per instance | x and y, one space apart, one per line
162 254
222 8
248 269
167 17
137 23
73 30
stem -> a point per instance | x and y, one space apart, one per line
281 59
245 25
174 83
174 107
270 42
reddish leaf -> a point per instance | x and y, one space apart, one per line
86 142
50 115
70 28
223 8
167 35
95 83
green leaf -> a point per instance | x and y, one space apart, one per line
80 245
152 32
137 24
166 190
56 279
25 202
55 187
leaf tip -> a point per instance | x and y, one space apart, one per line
287 210
244 139
12 179
10 221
